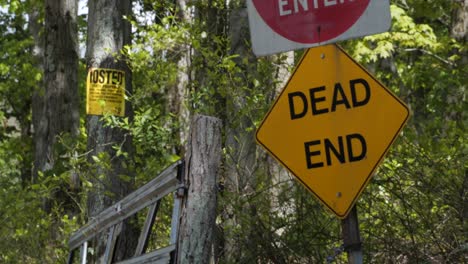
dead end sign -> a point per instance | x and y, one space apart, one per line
332 125
283 25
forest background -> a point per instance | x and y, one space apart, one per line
190 57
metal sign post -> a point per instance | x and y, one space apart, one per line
351 237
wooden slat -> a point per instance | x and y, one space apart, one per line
157 188
84 252
70 257
160 256
178 196
145 232
111 241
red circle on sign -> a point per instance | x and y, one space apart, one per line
310 21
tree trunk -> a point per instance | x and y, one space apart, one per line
460 33
245 165
34 28
277 172
108 33
240 144
203 160
460 21
178 93
56 106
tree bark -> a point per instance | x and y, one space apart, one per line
34 28
56 105
277 172
203 160
244 162
460 21
108 33
241 161
56 108
178 93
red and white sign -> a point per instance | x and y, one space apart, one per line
283 25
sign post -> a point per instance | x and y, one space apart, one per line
351 237
283 25
332 125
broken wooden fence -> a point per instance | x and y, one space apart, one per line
194 186
110 220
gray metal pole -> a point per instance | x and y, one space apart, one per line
351 237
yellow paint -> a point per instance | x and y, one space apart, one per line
327 76
105 91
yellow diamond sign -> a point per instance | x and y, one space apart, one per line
332 125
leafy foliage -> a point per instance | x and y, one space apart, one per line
415 209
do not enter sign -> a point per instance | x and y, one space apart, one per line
310 21
282 25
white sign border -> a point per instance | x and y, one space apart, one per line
375 19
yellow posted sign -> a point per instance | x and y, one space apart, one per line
105 91
332 125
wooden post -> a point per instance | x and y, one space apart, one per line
202 161
351 237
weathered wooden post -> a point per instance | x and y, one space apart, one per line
202 161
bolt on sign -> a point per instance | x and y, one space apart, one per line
105 91
282 25
332 125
